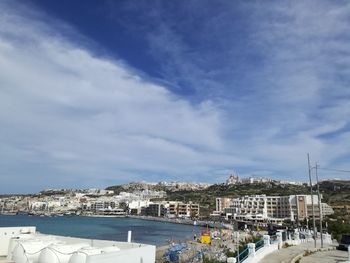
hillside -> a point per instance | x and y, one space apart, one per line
334 192
206 198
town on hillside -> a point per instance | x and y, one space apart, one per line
253 199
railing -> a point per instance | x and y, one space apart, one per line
243 255
259 244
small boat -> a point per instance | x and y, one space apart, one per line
9 213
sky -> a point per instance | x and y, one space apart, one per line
97 93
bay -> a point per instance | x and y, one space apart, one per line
107 228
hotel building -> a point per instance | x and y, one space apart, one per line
274 208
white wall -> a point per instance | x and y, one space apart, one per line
146 254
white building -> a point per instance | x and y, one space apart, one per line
326 209
24 244
265 208
135 207
221 203
232 179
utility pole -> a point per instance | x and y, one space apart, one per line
319 205
312 199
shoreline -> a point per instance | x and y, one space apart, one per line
198 223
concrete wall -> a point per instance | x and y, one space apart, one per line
261 253
6 233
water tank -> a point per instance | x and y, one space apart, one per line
28 251
59 253
14 241
82 255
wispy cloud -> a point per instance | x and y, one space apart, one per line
252 86
279 71
76 119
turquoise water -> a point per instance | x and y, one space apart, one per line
149 232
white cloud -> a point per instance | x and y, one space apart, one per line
263 97
74 114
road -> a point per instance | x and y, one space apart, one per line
333 256
285 255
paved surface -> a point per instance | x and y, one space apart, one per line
4 260
285 255
333 256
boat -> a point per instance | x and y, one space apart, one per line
9 213
24 244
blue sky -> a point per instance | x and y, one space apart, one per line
96 93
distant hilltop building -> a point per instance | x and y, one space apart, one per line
232 179
178 186
255 180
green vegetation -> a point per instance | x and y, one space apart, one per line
229 253
337 228
206 197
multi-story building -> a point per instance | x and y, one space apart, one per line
249 207
221 203
301 206
181 209
155 210
255 180
103 205
275 208
327 209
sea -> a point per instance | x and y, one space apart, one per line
107 228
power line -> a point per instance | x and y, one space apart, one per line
335 170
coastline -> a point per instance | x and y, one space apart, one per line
104 227
199 223
183 221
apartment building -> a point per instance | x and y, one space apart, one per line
155 210
180 209
221 203
278 207
275 208
103 205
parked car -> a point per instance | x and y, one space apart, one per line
344 242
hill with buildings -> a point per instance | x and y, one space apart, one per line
335 192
